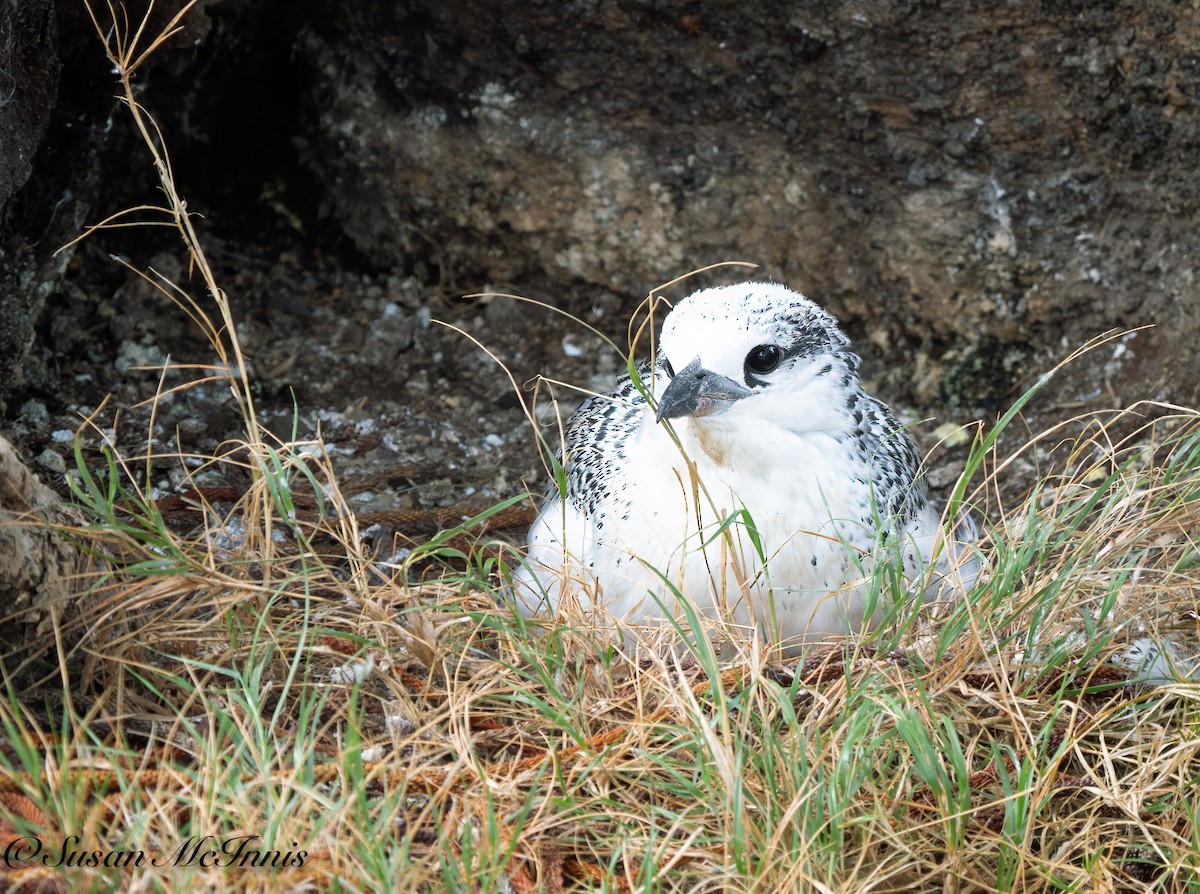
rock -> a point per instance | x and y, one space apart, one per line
960 178
37 564
28 88
52 462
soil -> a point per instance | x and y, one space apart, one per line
407 382
382 367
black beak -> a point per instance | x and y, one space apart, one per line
696 391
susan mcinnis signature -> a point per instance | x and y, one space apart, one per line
242 851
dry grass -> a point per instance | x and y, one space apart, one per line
420 737
249 671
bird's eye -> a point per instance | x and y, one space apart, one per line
764 358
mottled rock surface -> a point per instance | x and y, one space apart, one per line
28 90
28 87
971 184
37 564
975 190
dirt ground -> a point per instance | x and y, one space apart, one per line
407 382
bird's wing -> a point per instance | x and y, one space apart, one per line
895 463
596 441
595 449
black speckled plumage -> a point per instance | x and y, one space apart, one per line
596 438
596 445
822 470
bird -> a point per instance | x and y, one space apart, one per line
746 470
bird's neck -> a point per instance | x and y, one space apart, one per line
757 443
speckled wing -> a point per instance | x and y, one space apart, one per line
895 464
896 470
597 438
596 441
947 565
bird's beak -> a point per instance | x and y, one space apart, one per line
696 391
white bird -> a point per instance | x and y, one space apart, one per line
763 489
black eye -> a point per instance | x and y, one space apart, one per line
764 358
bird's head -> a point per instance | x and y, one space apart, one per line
756 350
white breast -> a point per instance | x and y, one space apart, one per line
764 527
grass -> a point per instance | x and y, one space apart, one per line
251 702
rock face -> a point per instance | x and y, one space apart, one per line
28 89
972 188
970 184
